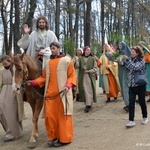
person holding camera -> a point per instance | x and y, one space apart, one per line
135 64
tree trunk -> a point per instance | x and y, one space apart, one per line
76 27
87 24
11 27
31 12
57 18
70 18
102 22
17 35
132 23
4 20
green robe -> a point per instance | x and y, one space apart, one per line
90 64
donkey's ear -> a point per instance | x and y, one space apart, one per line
11 55
21 56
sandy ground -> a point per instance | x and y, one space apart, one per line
103 128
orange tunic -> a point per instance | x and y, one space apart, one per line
147 57
113 89
58 125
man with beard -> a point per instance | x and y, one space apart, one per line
38 42
58 77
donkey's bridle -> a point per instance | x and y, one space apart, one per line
25 72
54 96
26 78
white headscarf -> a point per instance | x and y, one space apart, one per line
80 49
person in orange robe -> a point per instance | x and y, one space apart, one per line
58 77
109 70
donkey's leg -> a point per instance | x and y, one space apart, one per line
36 112
38 108
32 104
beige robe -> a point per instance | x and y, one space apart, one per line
9 117
88 86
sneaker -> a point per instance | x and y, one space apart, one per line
144 121
130 124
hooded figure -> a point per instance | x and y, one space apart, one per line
123 49
146 52
123 74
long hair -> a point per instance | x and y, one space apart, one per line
139 51
6 57
46 22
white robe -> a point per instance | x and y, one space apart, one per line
33 42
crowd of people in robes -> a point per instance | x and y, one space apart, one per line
72 78
115 77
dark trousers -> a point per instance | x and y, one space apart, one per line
140 91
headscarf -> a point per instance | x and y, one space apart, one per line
80 49
125 49
144 46
84 49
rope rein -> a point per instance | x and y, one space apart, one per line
48 97
54 96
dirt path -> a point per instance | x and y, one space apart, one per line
103 128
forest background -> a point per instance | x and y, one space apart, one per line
77 23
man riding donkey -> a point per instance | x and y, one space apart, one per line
37 43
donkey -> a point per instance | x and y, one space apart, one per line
26 68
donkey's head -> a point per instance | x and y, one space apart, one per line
20 71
